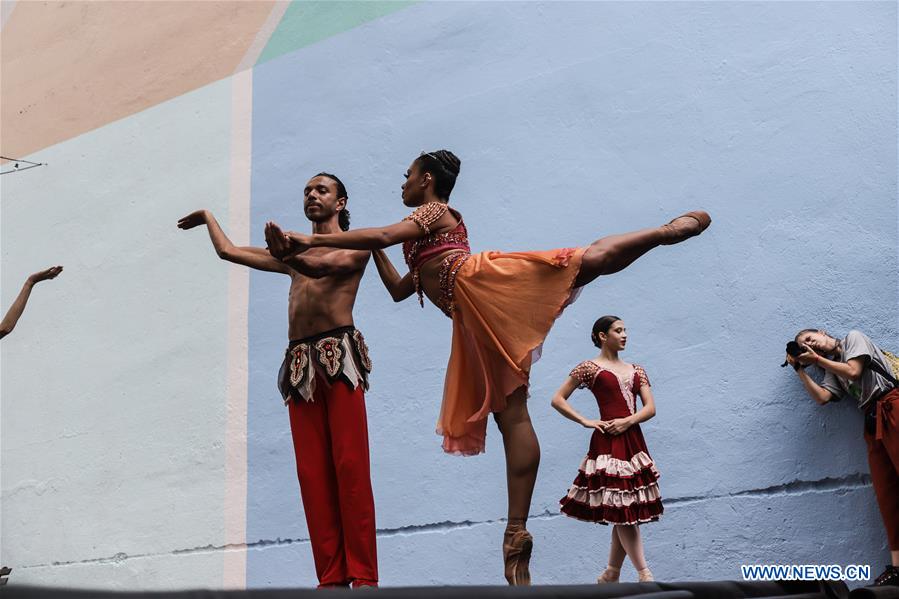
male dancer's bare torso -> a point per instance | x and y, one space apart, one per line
322 303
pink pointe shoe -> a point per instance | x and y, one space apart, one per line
517 548
610 575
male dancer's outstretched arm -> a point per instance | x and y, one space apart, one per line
18 306
334 263
281 246
257 258
261 259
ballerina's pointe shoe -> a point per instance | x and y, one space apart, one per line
686 229
517 548
610 574
645 575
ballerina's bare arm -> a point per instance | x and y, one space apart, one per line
399 287
18 306
424 221
372 238
649 405
560 403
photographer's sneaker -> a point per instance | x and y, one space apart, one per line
890 577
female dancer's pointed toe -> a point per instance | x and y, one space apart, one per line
517 550
678 233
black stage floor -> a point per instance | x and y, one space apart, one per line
647 590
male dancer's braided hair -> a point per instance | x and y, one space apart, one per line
343 217
444 166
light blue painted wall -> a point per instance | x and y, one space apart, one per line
113 383
573 121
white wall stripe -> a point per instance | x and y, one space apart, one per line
235 560
265 32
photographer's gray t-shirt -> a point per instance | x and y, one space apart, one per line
870 385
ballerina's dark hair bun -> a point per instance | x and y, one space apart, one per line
602 325
444 166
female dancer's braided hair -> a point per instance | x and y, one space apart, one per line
343 217
444 166
602 325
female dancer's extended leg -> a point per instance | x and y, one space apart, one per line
616 252
522 460
604 256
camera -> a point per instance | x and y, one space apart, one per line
794 350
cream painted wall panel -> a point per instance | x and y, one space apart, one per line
113 385
158 572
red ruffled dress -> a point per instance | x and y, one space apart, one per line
617 482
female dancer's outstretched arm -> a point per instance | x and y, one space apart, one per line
372 238
18 306
399 287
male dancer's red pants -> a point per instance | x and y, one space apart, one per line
883 458
330 439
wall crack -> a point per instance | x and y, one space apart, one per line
795 487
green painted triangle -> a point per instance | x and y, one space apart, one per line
306 22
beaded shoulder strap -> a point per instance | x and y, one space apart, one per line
584 373
427 214
641 374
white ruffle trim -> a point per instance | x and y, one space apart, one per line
615 467
614 497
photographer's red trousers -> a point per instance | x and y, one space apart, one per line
330 439
883 458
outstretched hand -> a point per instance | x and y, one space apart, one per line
194 219
45 275
278 243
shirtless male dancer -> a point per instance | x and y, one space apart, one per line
323 380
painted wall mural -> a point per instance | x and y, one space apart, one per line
143 443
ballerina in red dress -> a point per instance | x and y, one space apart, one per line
617 480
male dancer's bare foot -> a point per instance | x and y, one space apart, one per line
686 226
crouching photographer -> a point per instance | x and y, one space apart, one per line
855 367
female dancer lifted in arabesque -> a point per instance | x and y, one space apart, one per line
502 306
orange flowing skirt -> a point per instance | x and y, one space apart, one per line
504 306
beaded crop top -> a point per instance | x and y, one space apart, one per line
421 250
